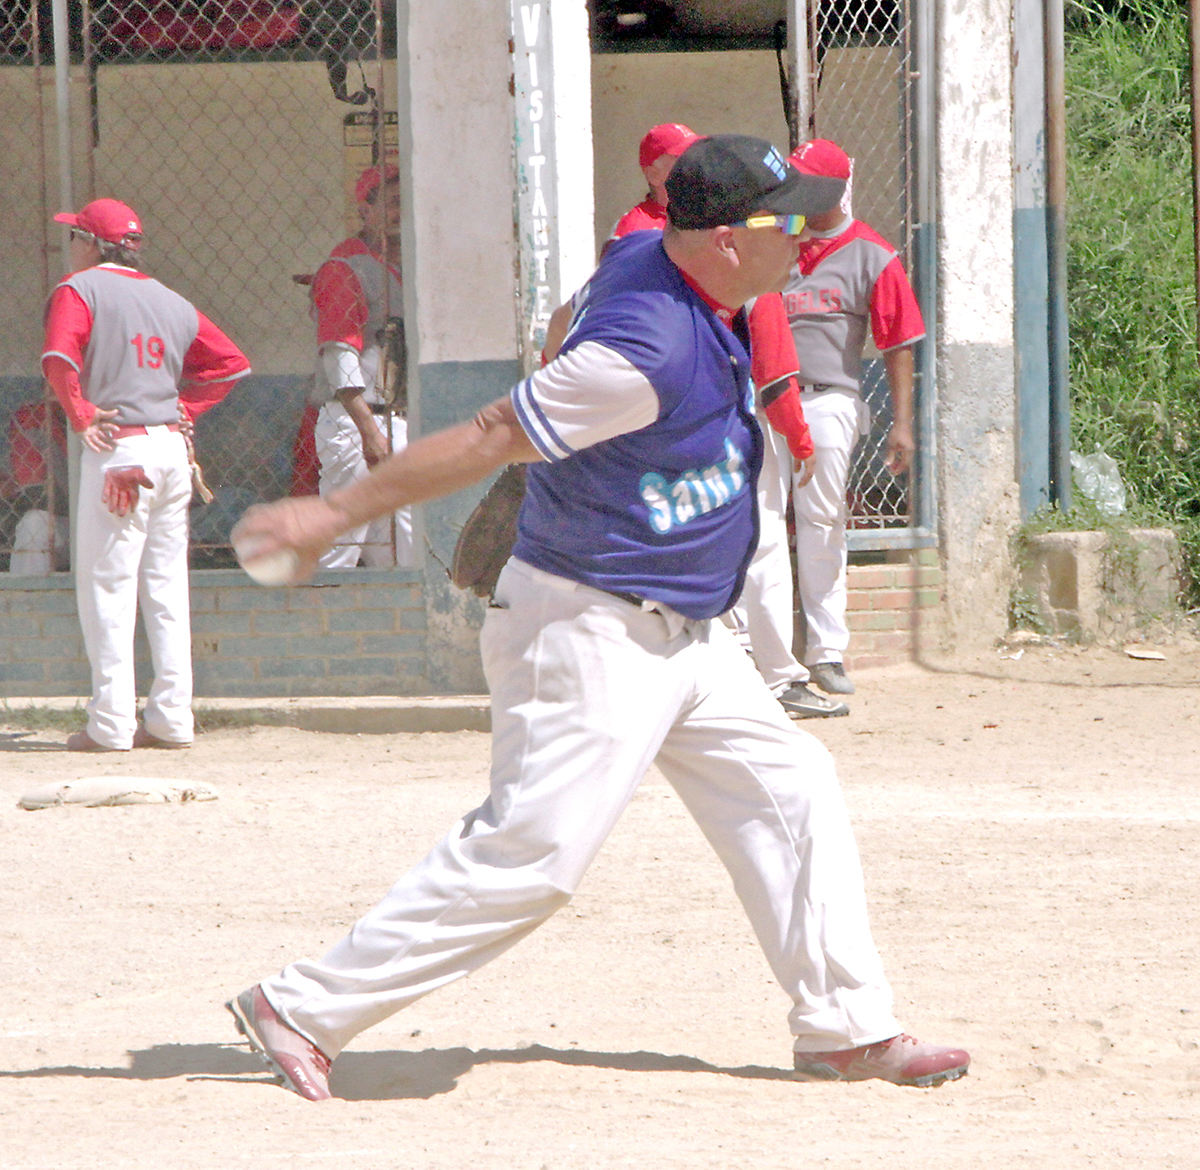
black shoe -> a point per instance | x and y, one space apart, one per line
801 703
831 678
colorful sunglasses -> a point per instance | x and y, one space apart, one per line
790 225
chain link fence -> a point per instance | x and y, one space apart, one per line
863 73
16 32
859 76
236 129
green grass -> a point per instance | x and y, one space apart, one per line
42 718
67 719
1135 381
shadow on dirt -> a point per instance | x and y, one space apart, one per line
383 1076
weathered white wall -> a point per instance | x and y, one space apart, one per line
713 93
460 120
456 119
976 409
573 124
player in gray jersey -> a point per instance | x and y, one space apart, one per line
847 279
133 365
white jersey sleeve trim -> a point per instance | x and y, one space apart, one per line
588 395
902 344
342 366
59 354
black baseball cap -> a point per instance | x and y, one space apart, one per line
726 178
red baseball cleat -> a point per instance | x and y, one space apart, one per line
143 739
299 1064
903 1060
80 741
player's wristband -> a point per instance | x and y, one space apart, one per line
781 405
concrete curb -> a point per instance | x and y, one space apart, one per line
360 715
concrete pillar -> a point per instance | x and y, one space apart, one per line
553 151
455 117
977 489
457 121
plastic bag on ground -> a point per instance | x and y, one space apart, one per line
1098 477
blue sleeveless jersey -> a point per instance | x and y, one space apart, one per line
667 512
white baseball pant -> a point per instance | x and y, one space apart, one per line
763 617
341 460
836 418
587 691
141 558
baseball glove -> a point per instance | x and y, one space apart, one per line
487 538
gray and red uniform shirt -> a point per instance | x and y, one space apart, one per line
843 280
134 346
353 296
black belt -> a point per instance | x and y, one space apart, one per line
632 598
380 407
817 386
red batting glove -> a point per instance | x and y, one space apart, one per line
121 486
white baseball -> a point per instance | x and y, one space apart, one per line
277 568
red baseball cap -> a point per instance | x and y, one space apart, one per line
370 179
106 219
821 157
667 138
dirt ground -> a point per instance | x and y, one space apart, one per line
1030 831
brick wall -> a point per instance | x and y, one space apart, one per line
361 637
885 605
367 636
41 650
